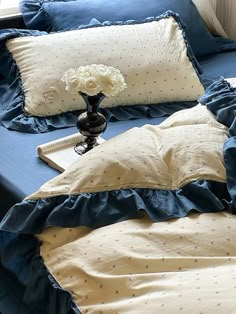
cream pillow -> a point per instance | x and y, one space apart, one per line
153 57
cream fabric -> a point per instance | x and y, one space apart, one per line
232 81
152 57
137 266
226 10
213 4
185 147
207 10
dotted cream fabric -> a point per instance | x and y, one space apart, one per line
152 57
186 147
137 266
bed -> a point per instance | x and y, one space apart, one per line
116 259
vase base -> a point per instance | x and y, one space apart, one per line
82 147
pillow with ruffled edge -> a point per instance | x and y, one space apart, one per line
51 15
13 113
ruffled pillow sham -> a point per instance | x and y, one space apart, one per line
153 55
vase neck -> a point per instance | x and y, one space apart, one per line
92 102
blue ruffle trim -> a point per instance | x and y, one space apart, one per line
12 113
21 255
220 99
98 209
19 249
34 15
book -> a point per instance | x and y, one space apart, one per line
60 153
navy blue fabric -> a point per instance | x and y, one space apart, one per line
11 294
230 160
218 65
99 209
12 113
220 99
58 15
42 294
225 44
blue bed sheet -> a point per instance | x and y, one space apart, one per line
221 64
11 293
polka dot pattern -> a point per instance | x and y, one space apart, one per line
186 265
186 147
152 57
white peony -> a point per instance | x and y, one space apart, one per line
72 81
113 84
101 70
90 85
93 79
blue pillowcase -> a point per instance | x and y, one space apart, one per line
53 15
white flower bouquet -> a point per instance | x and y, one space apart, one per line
94 79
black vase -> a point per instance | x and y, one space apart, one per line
91 123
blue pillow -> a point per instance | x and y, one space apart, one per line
53 16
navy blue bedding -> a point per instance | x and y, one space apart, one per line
11 293
221 64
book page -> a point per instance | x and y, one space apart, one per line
62 159
60 143
60 154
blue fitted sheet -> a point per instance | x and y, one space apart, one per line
221 64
